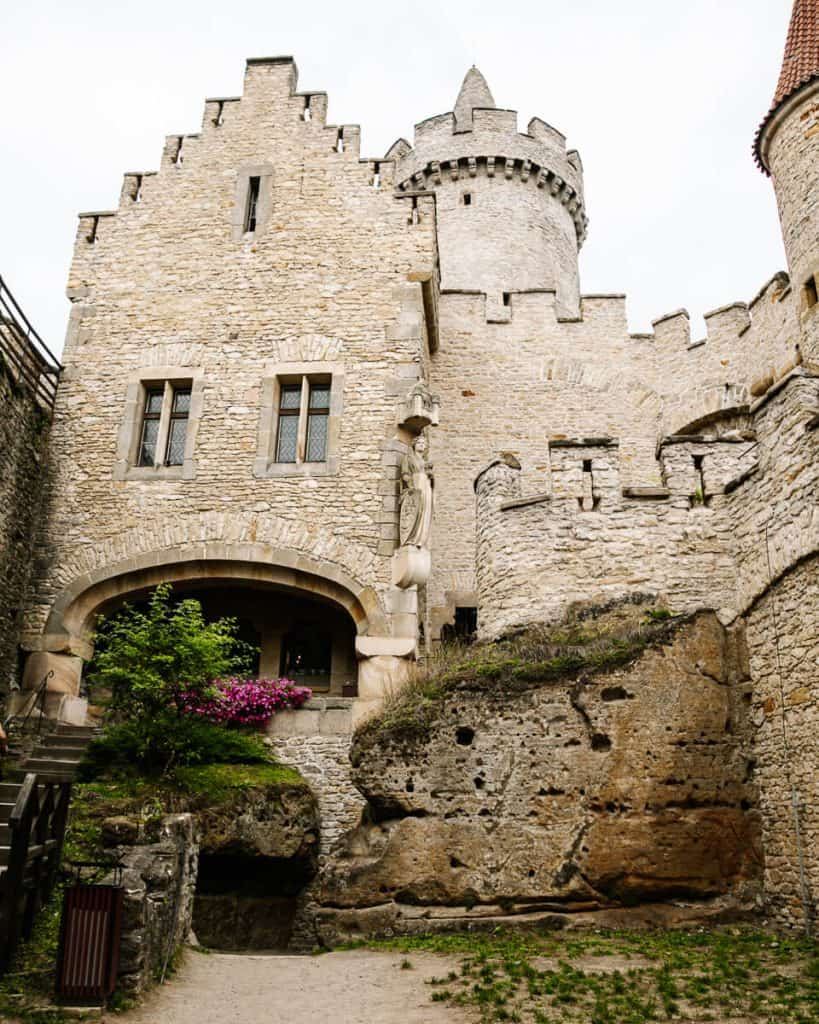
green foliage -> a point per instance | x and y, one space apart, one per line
590 640
147 800
607 977
155 745
146 660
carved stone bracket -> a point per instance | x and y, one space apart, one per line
419 410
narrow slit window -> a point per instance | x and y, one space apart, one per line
287 440
307 114
178 426
318 413
467 198
252 202
507 298
811 292
151 414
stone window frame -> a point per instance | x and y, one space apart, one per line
265 465
130 431
264 204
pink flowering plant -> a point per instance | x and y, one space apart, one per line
248 702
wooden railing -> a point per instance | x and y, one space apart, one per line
27 357
37 827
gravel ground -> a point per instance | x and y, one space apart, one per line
356 987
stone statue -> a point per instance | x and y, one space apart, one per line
416 496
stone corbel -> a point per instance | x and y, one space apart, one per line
419 410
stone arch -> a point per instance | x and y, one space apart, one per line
70 615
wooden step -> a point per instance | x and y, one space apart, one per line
58 739
88 731
53 774
57 754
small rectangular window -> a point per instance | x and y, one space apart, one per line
151 414
811 293
287 442
178 426
303 421
252 202
467 198
317 420
164 426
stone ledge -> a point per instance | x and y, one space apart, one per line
533 499
584 442
647 492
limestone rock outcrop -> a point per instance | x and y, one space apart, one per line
621 786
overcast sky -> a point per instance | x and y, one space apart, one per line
661 98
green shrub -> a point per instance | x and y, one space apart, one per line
147 659
168 740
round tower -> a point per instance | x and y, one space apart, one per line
787 148
510 211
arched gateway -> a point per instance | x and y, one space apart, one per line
311 620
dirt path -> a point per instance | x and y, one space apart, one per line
357 987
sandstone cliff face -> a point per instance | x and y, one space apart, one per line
623 786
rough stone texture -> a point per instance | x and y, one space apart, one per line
630 785
275 821
783 637
163 289
159 876
323 760
341 277
697 545
23 445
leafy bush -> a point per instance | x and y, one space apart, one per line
168 740
244 701
153 662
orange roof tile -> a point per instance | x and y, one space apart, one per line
800 64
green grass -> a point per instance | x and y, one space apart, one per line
28 986
190 788
656 976
590 640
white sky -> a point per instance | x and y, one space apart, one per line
662 99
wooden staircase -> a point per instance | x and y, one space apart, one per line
33 816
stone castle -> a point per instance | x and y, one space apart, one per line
363 405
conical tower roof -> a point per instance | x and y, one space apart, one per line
474 93
800 64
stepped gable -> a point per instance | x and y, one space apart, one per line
475 92
800 65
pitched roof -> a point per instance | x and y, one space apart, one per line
800 64
474 93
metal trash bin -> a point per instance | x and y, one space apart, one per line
90 932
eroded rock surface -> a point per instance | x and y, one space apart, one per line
625 786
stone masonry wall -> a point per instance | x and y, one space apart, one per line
737 533
316 741
783 638
698 542
23 449
165 287
160 864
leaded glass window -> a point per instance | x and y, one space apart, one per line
164 425
151 414
318 412
289 409
178 426
303 420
